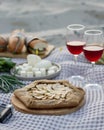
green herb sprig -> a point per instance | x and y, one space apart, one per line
6 64
101 60
9 83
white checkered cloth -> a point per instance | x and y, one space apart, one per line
89 117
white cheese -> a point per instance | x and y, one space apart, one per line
23 73
29 68
55 68
43 71
20 67
38 73
33 59
29 74
49 72
43 64
35 69
17 67
25 65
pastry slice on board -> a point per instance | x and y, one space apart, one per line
19 106
50 94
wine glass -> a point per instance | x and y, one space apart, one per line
93 50
75 43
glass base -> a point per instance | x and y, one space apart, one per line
93 86
77 78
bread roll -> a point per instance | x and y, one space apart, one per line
36 46
16 43
3 44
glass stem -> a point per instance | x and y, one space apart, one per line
93 64
75 57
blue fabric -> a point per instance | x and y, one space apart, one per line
89 117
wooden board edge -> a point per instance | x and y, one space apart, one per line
24 55
21 108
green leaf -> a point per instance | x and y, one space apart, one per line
6 64
101 60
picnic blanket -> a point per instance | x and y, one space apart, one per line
88 117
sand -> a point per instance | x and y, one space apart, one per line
48 18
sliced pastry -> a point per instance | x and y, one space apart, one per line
49 94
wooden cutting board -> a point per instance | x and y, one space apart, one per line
24 55
19 106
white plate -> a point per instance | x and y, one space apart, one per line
37 78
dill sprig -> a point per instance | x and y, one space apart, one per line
9 83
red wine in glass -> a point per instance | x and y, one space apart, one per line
75 47
93 52
74 44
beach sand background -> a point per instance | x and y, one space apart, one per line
48 18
